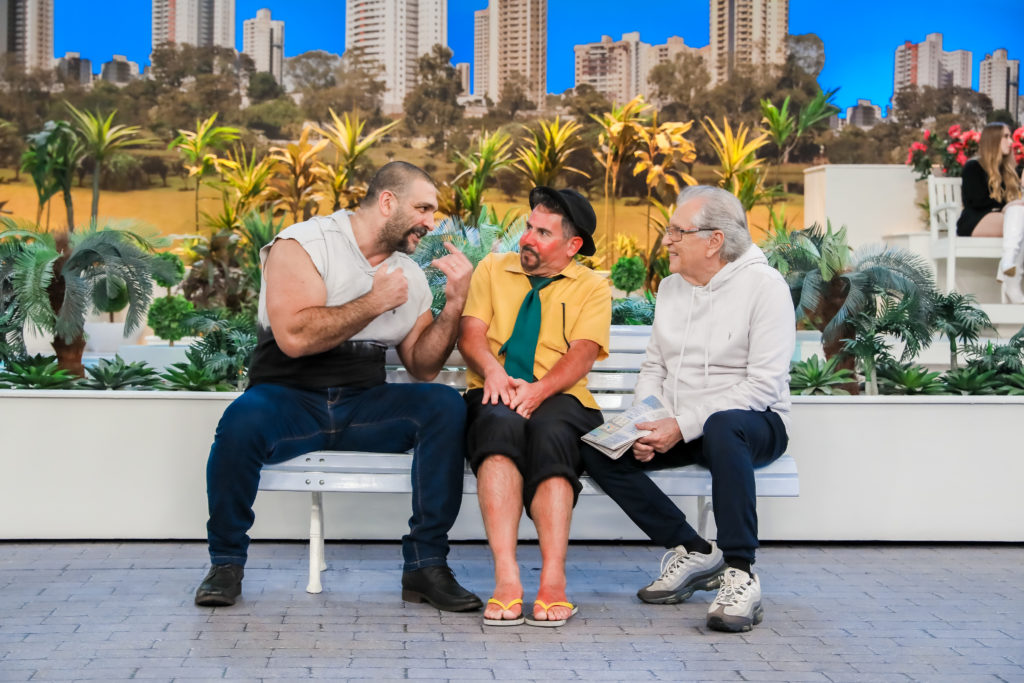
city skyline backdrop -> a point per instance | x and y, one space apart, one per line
859 48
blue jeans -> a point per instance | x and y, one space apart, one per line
734 443
271 423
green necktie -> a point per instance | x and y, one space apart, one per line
521 347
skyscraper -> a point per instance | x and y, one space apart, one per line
511 43
619 69
26 32
263 41
999 78
747 33
928 64
202 23
394 34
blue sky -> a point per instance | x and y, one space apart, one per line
859 41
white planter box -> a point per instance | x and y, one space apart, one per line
101 465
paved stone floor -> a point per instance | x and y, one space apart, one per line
117 611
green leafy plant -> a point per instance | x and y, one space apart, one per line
167 316
110 295
1012 385
909 379
256 230
957 317
633 311
831 284
492 153
100 139
813 377
628 274
36 372
117 374
475 241
52 278
193 376
225 346
172 272
876 330
972 381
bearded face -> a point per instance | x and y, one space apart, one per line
401 233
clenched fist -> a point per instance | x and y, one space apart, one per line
390 288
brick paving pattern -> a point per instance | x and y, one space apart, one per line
117 611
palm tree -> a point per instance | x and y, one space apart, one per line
547 152
739 169
618 140
491 153
785 130
662 147
831 284
298 175
194 146
53 278
350 154
100 139
247 178
956 316
51 158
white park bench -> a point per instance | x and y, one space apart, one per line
611 381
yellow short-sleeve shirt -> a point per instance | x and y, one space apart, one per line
576 306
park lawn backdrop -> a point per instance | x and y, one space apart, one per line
171 209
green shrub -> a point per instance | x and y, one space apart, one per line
812 377
168 315
117 374
628 274
168 269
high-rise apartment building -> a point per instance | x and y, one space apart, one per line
202 23
462 71
511 42
263 41
999 78
620 69
119 70
71 67
747 33
928 64
394 34
613 67
26 32
863 114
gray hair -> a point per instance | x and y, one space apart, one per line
719 210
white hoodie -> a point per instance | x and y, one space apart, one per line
725 345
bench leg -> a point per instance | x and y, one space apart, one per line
316 543
704 513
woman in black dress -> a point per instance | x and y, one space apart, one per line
993 206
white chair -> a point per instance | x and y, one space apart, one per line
944 207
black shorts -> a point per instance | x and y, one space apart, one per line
544 446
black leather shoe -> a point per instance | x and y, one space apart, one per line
221 587
437 586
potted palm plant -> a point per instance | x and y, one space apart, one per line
51 278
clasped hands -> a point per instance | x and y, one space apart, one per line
518 394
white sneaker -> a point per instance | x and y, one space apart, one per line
682 573
737 607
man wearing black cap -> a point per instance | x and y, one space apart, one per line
533 325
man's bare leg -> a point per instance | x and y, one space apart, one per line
551 510
500 491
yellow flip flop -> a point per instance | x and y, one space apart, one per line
551 623
505 622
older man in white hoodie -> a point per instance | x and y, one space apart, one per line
718 358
